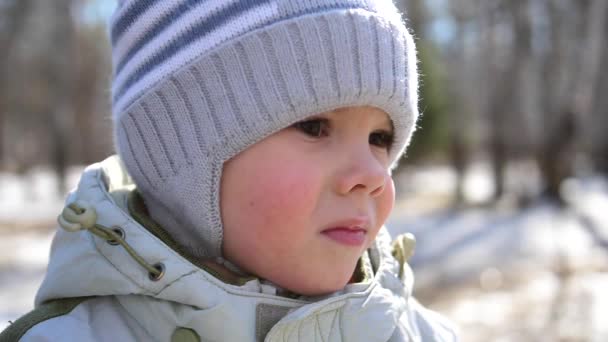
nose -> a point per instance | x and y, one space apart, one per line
363 172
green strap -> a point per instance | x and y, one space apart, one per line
46 311
182 334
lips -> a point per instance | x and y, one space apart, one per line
346 236
350 232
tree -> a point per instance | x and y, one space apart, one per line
12 15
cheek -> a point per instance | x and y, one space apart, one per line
280 197
270 201
390 195
385 203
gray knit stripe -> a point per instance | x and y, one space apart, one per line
411 97
173 115
344 65
263 74
213 204
130 155
232 107
156 141
195 91
377 54
288 69
244 91
190 116
316 60
407 122
206 97
275 69
397 65
400 55
252 85
244 98
330 54
141 149
296 80
218 100
296 39
354 43
363 34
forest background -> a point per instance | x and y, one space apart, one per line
511 146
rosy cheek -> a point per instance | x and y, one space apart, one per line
281 199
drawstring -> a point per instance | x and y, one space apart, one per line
80 215
403 249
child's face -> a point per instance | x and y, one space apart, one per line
280 197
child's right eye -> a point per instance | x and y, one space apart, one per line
315 128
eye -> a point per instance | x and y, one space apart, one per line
382 139
315 128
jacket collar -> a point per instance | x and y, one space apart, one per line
82 264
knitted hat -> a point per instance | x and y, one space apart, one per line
197 82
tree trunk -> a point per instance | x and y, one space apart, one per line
60 81
556 160
562 77
592 102
14 20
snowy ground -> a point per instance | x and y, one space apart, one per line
538 274
501 274
28 207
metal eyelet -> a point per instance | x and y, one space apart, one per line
120 232
161 268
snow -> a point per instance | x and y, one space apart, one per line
500 273
504 274
33 197
29 205
23 259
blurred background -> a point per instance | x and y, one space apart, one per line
505 185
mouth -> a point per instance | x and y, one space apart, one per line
349 233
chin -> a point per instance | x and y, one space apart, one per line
317 291
310 288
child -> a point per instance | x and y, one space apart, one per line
255 144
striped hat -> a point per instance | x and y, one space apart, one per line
197 82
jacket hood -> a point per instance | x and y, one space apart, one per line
84 264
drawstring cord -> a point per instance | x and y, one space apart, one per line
403 249
80 215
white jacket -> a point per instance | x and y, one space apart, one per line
97 291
